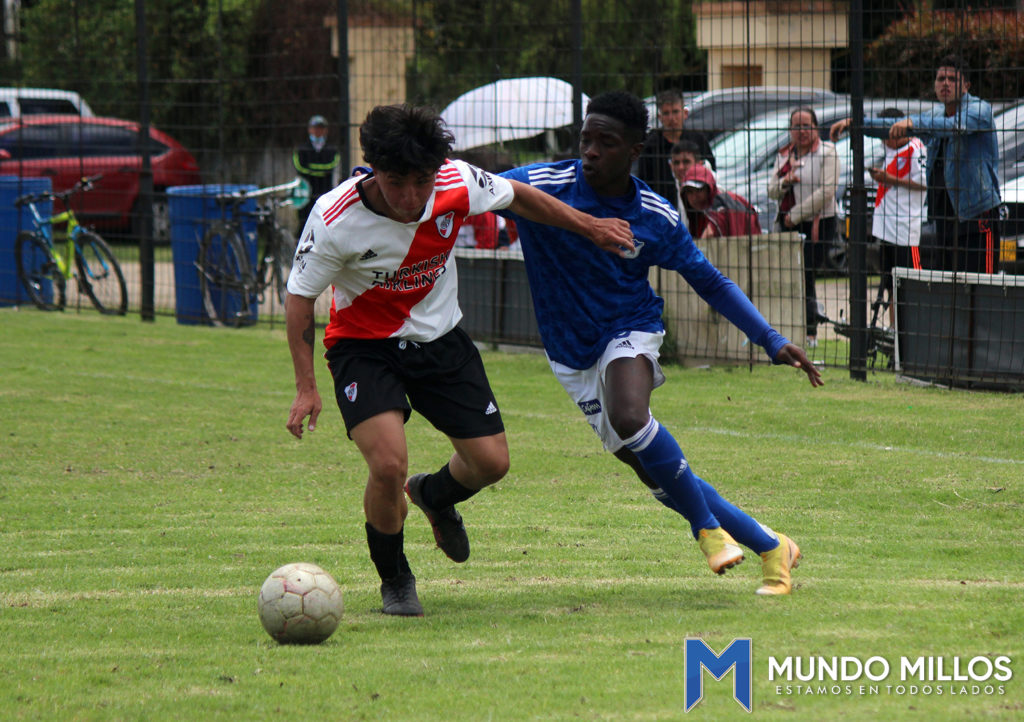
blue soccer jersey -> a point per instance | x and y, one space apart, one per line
584 296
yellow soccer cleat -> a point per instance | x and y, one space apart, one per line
776 565
720 549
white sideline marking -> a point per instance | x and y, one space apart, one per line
512 414
180 382
859 445
703 429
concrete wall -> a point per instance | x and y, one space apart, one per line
790 43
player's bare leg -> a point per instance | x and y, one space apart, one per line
479 462
381 440
628 384
476 463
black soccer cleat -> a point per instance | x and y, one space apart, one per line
449 531
399 598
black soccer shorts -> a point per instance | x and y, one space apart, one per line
443 380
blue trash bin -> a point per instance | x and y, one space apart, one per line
12 221
192 209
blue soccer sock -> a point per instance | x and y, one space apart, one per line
664 462
740 525
665 499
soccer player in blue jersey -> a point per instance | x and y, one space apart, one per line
602 327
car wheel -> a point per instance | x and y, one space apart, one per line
836 259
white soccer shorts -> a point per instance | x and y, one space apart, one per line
587 388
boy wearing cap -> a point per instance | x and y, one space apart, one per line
711 212
315 161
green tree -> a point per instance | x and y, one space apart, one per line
903 58
196 50
78 46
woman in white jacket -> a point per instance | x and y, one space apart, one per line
804 182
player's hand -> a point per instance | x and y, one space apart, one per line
880 176
838 129
901 128
307 403
793 355
613 235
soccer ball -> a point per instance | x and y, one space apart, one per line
300 603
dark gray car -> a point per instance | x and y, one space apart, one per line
717 112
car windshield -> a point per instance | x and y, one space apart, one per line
874 154
1010 119
1010 136
751 141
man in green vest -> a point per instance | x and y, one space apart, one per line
315 161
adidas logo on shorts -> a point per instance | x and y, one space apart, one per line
491 409
624 344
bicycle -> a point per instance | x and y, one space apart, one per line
880 339
44 268
227 282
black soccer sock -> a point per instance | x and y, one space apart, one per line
441 490
387 552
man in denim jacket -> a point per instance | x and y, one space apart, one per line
963 155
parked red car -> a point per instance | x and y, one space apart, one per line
67 147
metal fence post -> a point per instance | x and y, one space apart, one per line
146 256
576 12
858 202
343 81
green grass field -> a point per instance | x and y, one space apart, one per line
148 486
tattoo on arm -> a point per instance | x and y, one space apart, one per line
309 334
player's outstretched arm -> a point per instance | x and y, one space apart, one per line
300 322
608 234
793 355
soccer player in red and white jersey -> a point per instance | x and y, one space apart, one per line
899 204
384 242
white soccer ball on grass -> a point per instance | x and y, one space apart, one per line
300 603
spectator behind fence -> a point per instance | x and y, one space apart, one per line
685 155
804 182
486 231
315 161
963 155
654 165
713 213
899 205
489 231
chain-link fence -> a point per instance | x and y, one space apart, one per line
225 91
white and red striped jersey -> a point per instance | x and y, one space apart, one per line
392 279
900 211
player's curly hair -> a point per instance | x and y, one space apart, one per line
404 139
624 107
